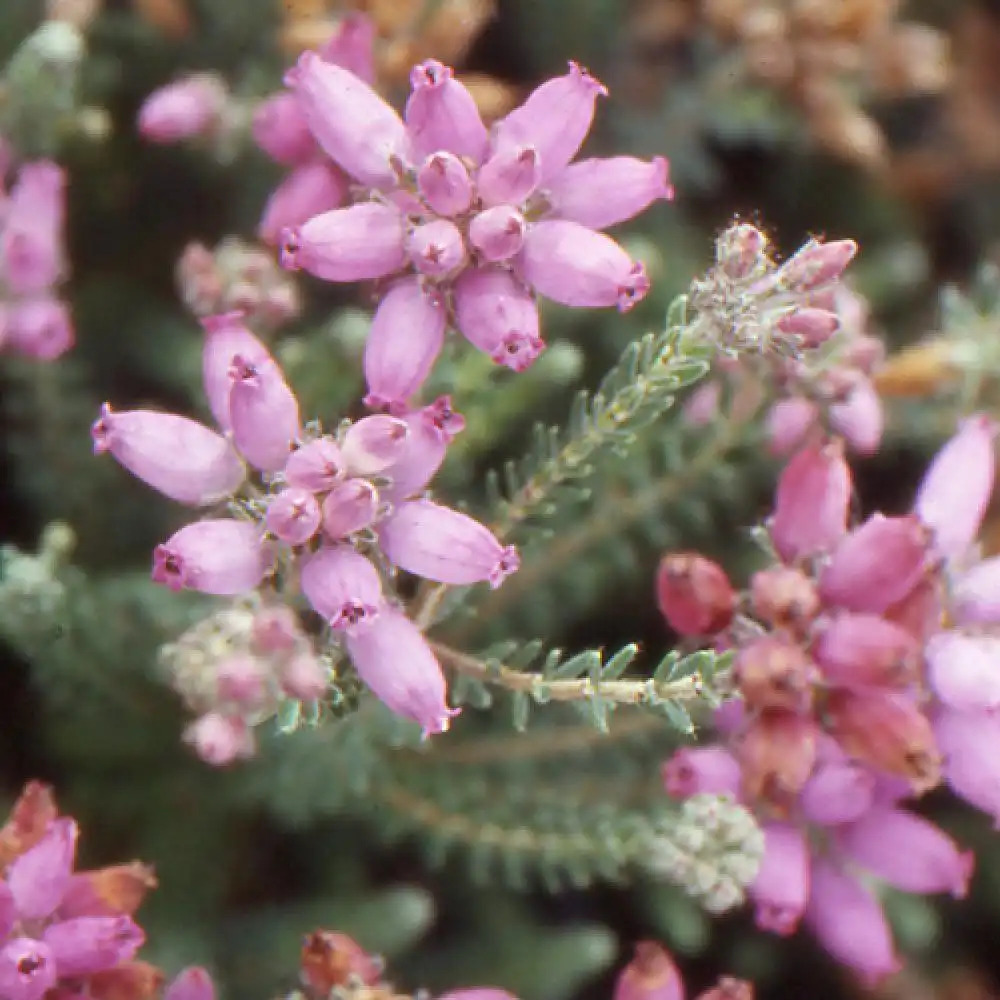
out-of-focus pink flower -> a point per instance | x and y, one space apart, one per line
694 594
307 191
38 328
187 109
31 235
781 889
220 739
651 975
693 770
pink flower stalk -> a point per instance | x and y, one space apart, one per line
220 556
31 235
188 109
178 457
442 544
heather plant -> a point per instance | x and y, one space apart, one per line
350 570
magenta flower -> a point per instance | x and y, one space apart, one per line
186 109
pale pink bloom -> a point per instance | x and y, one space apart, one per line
264 413
307 191
38 328
39 878
85 945
441 115
814 326
348 244
303 677
781 889
431 430
599 193
577 266
318 465
220 556
180 458
907 852
220 739
186 109
405 339
27 969
970 746
444 184
344 587
242 680
226 336
838 791
445 545
964 670
352 45
509 176
811 502
860 650
280 129
373 444
693 770
436 248
787 423
393 658
816 265
192 983
275 629
293 515
497 233
957 486
350 506
31 250
976 594
859 417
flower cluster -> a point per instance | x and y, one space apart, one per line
864 661
338 513
461 224
34 321
70 931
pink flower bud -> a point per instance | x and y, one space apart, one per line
784 597
970 746
39 328
221 556
31 255
355 127
576 266
694 594
27 969
497 233
907 852
859 418
38 878
817 265
509 176
776 752
353 46
394 660
740 250
813 326
811 502
963 670
318 465
781 889
186 109
694 770
957 486
849 923
226 336
444 184
344 588
773 672
555 119
701 407
348 244
306 192
651 975
280 129
787 423
442 544
499 316
976 594
373 444
436 248
405 339
431 430
839 791
264 413
864 650
241 680
599 193
293 515
348 507
192 983
84 945
876 565
275 629
180 458
303 677
220 739
441 114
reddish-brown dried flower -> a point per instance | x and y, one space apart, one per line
329 959
777 752
694 594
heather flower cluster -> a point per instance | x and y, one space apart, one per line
67 932
864 658
34 321
339 513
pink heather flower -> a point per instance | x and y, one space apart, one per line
303 677
907 852
498 315
876 564
84 945
406 337
293 515
859 418
307 191
242 681
651 975
866 650
180 458
275 629
957 487
393 658
373 444
39 878
192 983
186 109
226 336
693 770
436 248
352 46
27 969
264 413
220 556
431 430
497 233
781 889
444 184
31 251
970 747
694 594
577 266
964 670
317 465
343 587
280 129
441 115
849 923
348 244
220 739
816 264
787 423
442 544
350 506
813 326
811 502
838 791
976 594
509 176
38 328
